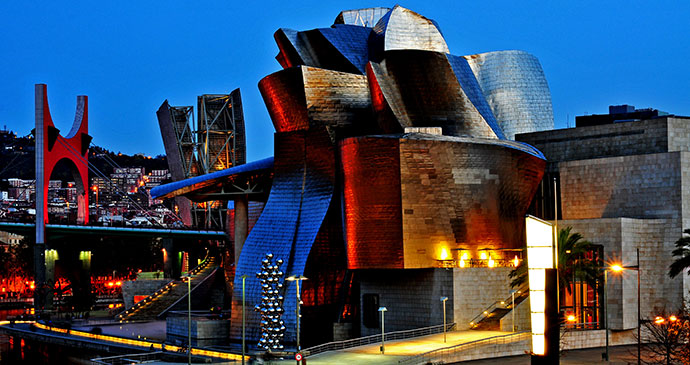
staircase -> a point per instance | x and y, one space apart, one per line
490 318
156 304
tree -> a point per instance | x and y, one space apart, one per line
572 263
682 252
666 337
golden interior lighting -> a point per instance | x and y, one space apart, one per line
571 318
516 261
672 318
482 255
659 320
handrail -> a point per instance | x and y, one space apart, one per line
427 357
164 289
389 336
485 313
210 275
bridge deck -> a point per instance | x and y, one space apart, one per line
61 229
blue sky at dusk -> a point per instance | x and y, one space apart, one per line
128 57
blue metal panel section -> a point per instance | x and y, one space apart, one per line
351 42
301 193
161 190
470 86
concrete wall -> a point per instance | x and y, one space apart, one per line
620 237
475 289
131 288
412 297
522 317
205 331
619 139
639 186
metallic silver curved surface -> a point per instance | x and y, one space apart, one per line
515 87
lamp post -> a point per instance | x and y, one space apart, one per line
512 306
606 312
297 279
244 277
443 300
383 310
189 318
619 268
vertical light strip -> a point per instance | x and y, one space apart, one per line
539 258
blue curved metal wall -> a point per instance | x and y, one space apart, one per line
302 190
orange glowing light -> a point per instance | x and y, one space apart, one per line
491 262
672 318
659 320
32 286
118 283
571 318
616 268
111 306
110 283
516 261
94 188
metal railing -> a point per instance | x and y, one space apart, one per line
502 304
389 336
164 289
443 354
128 358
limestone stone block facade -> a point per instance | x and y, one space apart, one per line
626 186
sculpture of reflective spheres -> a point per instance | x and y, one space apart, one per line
389 154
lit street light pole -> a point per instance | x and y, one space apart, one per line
189 318
606 312
383 310
297 279
443 300
617 268
512 307
244 277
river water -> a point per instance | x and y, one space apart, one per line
17 351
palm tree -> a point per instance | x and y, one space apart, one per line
572 263
682 251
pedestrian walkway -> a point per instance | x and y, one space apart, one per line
399 349
619 355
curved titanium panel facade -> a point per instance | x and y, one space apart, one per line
423 91
283 93
363 17
371 198
300 196
515 87
403 29
463 193
454 193
300 97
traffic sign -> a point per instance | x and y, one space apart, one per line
298 356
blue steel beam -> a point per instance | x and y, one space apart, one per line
61 229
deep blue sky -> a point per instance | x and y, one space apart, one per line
130 56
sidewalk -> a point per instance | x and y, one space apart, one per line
398 349
619 355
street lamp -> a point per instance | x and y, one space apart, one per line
383 310
189 318
512 306
297 279
443 300
617 268
244 277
